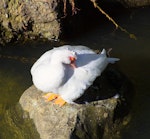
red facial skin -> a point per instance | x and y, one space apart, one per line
73 59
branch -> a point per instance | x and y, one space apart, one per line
132 36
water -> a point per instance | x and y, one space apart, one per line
135 63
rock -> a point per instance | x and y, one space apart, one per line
57 122
94 119
28 18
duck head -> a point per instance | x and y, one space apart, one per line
66 57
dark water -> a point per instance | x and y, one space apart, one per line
135 63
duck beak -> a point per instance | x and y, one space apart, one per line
73 65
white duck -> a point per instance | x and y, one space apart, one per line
67 71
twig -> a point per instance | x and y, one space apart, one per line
132 36
104 13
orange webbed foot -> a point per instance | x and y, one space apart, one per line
50 96
60 101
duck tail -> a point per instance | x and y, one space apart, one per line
103 52
113 60
110 60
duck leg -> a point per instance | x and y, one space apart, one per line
50 96
60 101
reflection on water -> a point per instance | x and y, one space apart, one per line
15 125
135 63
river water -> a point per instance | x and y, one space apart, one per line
135 63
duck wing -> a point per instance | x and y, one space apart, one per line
89 66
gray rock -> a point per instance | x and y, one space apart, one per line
83 121
94 119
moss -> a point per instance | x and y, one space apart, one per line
8 35
29 19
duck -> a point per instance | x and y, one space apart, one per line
64 73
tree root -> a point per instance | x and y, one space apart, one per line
74 8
